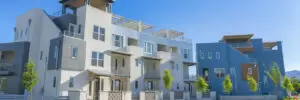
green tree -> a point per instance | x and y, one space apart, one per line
201 85
3 84
168 79
252 83
29 79
274 74
296 84
227 84
287 85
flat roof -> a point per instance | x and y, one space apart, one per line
269 44
168 33
237 37
131 24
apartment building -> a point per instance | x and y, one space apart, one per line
87 48
239 56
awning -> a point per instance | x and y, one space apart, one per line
237 37
151 57
120 52
189 63
269 44
99 72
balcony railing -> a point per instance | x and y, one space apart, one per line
241 45
6 68
154 54
152 75
73 34
120 49
118 72
252 60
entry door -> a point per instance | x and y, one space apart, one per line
96 88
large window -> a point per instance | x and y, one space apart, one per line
56 56
99 33
186 53
118 40
148 47
219 72
97 59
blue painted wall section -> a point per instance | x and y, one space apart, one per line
231 60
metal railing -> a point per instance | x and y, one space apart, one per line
190 78
72 34
241 45
6 67
152 74
154 54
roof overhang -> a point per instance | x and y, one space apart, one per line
237 37
120 52
269 44
189 63
99 72
151 57
168 33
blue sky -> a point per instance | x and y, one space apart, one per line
201 20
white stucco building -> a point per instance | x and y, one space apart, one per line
87 48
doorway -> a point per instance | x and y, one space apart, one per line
96 88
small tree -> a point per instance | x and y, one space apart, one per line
201 85
29 79
274 74
252 83
227 84
287 85
168 79
296 84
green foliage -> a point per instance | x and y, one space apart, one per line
288 98
274 74
3 84
227 84
168 79
201 85
296 84
29 79
252 83
287 84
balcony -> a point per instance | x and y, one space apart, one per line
243 47
121 73
72 34
6 68
152 75
120 50
153 56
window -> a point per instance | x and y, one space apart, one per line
148 48
186 53
99 33
137 62
209 55
118 82
54 82
136 85
118 40
218 56
71 82
112 85
232 71
177 66
79 28
21 34
102 84
97 59
56 55
201 55
74 52
219 72
116 64
123 62
150 85
250 71
177 86
41 55
172 64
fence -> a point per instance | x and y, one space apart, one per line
12 97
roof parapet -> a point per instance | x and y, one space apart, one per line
131 24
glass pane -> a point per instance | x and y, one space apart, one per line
102 37
74 52
100 56
100 63
102 30
95 36
96 29
94 62
94 55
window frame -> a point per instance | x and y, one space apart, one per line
98 59
99 32
209 55
186 53
146 47
71 82
54 82
120 40
219 72
218 55
76 53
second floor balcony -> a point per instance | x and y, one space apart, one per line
243 47
6 68
154 74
